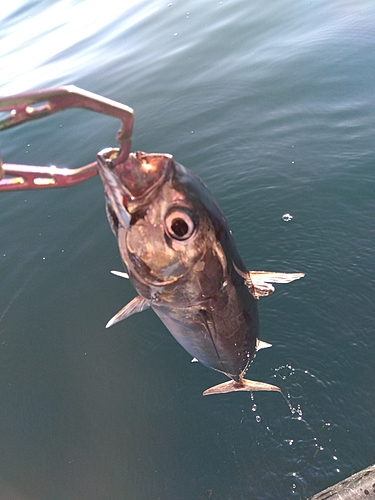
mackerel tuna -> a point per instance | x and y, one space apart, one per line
182 260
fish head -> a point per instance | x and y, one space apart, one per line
166 224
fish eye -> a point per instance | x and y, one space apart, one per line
180 224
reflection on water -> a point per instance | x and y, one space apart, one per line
273 107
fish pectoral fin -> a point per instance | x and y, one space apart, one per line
121 274
243 385
259 282
137 305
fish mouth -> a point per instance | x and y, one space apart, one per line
130 181
130 185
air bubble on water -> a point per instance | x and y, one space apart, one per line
290 406
254 407
287 217
258 418
294 411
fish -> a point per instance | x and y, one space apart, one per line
181 258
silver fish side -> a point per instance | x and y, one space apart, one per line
182 260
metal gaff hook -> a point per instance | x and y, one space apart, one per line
27 106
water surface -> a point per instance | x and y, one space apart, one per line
272 104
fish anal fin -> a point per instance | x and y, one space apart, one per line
243 385
137 305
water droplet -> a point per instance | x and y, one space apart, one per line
254 407
258 418
287 217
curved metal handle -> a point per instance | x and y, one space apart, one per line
39 103
27 106
33 177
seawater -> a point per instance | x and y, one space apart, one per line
272 104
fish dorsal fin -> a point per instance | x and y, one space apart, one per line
262 345
259 282
121 274
137 305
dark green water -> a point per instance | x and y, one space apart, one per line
273 105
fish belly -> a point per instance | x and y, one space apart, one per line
223 342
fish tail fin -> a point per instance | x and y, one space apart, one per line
243 385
